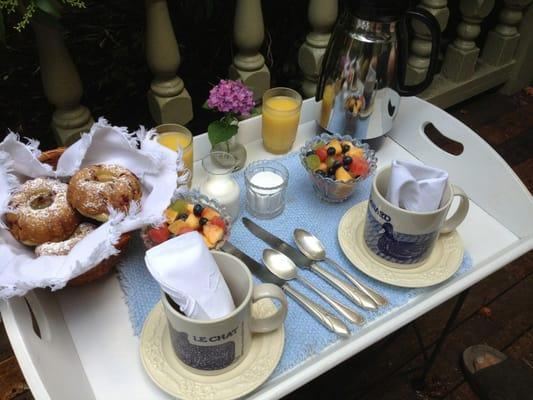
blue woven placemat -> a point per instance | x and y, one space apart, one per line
304 336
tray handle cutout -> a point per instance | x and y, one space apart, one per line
442 141
39 322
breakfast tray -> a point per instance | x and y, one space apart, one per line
81 345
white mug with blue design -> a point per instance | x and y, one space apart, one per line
212 347
404 239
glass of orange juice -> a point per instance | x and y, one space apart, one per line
175 136
281 116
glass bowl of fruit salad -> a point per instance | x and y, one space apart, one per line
191 211
335 164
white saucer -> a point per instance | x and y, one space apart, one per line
170 375
443 262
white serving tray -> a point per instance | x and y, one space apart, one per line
86 347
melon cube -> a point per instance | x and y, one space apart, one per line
342 175
193 221
170 215
213 233
356 152
209 213
177 226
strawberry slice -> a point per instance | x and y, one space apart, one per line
359 166
160 234
219 222
322 153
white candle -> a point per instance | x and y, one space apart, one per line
265 181
225 190
265 193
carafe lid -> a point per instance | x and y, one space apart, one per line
378 10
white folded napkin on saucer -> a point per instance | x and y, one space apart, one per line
414 186
188 273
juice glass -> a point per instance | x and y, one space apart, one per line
281 116
176 136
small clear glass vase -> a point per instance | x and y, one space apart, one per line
236 149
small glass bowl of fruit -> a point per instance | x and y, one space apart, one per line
187 212
335 164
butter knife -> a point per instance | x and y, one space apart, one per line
330 321
351 292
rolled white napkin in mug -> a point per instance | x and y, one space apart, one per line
414 186
188 273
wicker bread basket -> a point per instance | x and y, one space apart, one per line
51 157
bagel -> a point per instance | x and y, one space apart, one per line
64 247
39 212
92 190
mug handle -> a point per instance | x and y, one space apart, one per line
274 321
451 223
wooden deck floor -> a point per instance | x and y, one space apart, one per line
498 310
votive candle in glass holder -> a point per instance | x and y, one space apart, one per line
175 136
281 116
266 186
220 183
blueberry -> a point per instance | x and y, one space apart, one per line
310 153
203 221
197 210
337 164
183 216
320 172
331 151
331 171
345 148
347 168
347 160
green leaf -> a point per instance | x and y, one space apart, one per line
47 7
219 132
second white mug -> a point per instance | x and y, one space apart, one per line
403 238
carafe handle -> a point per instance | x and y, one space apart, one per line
403 49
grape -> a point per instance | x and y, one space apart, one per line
347 160
318 144
180 206
312 161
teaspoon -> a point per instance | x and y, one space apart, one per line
312 248
283 267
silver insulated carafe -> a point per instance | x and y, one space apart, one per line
363 71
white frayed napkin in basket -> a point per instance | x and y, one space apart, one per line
155 166
187 271
415 186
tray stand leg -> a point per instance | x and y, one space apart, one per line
420 382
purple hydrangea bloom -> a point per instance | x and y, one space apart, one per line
231 96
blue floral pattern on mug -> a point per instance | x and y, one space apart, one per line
396 247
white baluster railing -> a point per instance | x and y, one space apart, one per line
168 100
322 14
461 56
503 40
465 73
521 75
418 61
61 85
248 34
